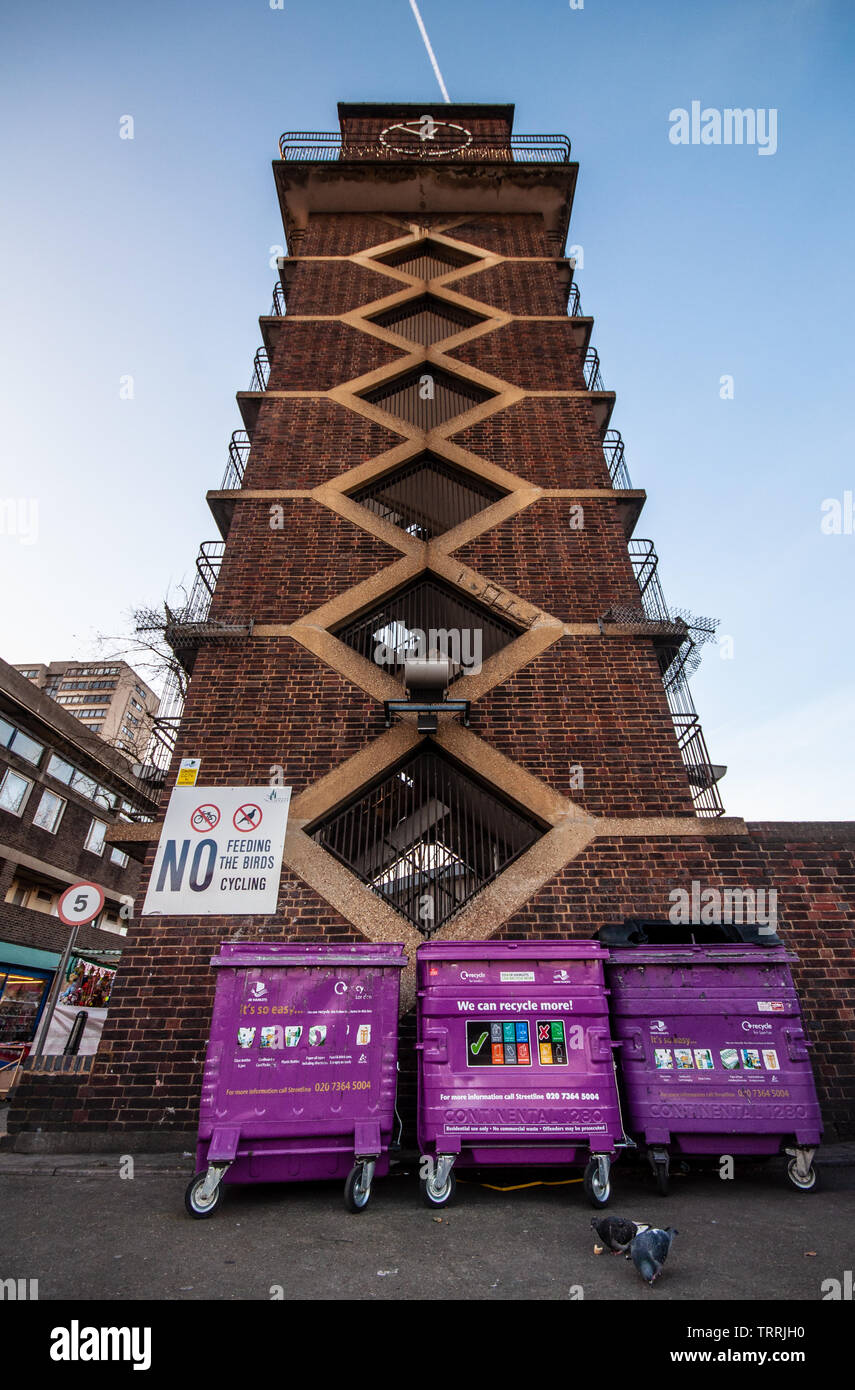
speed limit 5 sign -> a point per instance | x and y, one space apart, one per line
80 904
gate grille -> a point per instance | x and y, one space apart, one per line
427 837
427 497
426 259
427 320
449 396
427 617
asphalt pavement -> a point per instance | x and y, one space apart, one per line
85 1231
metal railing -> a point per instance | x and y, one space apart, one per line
645 565
427 837
593 379
260 371
427 497
613 452
699 767
277 308
309 146
239 447
427 616
574 303
208 563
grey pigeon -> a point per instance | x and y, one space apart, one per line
649 1251
616 1232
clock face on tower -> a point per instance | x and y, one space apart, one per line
426 137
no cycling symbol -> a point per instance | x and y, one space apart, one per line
205 817
247 817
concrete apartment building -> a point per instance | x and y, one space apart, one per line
109 697
62 790
427 447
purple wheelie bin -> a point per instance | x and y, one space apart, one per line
515 1061
301 1068
714 1057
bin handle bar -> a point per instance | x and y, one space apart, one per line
235 963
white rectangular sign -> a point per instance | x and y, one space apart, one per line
220 852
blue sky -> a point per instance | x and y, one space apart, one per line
150 257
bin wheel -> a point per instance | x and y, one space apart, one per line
663 1179
196 1206
597 1192
434 1196
801 1184
356 1194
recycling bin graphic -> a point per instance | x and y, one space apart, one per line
301 1068
713 1057
515 1061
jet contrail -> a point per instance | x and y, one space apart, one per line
434 64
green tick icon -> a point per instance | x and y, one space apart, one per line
476 1046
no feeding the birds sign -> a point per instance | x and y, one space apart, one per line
220 851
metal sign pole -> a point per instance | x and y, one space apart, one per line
47 1017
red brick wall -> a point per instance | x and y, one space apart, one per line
270 578
572 574
346 233
538 356
606 713
315 355
335 287
553 442
271 703
514 234
303 443
518 287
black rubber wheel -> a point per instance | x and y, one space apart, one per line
808 1184
597 1194
201 1210
356 1196
434 1196
663 1179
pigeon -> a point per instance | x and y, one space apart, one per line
616 1232
649 1251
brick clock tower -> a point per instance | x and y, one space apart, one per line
428 506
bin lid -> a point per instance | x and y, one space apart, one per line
575 949
246 955
718 954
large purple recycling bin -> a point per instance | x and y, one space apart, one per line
714 1057
515 1060
301 1068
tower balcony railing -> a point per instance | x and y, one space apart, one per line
239 447
260 371
645 565
208 564
277 309
574 303
593 378
403 143
613 452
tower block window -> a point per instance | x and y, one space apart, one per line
427 259
428 618
427 397
427 497
427 320
427 837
